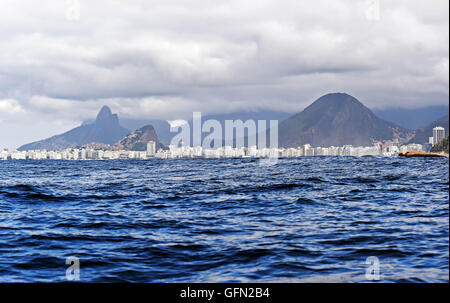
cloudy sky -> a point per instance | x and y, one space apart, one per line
60 61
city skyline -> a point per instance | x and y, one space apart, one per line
385 149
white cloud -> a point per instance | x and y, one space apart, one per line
9 108
168 58
176 123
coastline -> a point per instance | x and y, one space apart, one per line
422 154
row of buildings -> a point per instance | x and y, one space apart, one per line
389 148
80 154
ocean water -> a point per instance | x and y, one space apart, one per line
311 219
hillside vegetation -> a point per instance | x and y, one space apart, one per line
441 146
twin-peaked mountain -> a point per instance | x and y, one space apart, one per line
105 129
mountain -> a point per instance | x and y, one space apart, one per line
337 119
423 133
162 127
138 139
105 129
412 118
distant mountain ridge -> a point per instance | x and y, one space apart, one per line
422 134
105 129
412 118
338 119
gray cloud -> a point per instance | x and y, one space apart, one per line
165 59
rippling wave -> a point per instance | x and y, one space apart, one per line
225 220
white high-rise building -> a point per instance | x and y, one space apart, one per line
151 148
438 134
431 140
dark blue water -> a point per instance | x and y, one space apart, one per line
209 220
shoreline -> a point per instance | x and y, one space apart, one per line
405 155
422 154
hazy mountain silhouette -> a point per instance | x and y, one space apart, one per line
105 129
412 118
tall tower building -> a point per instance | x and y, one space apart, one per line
438 134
